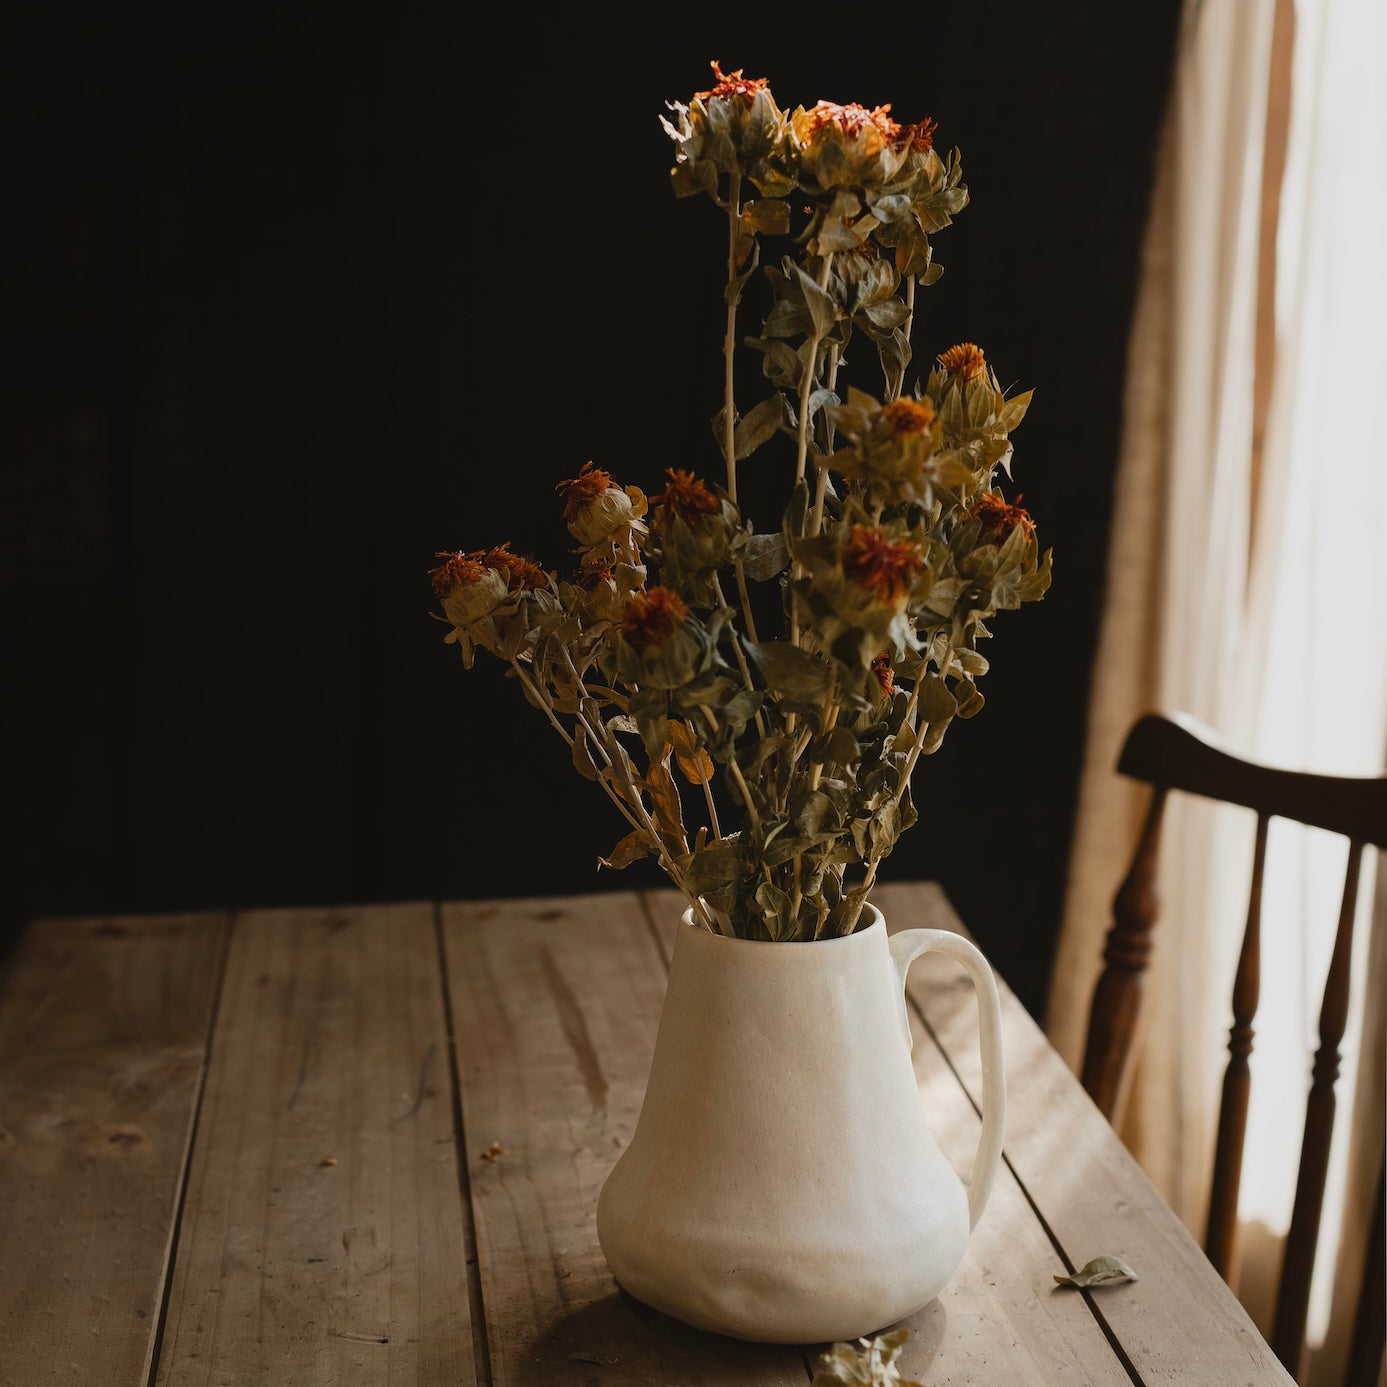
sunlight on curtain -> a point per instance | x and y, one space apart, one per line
1272 628
1319 583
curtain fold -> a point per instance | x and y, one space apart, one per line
1247 585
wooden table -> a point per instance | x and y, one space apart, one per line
364 1145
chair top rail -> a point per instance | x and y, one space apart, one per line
1181 753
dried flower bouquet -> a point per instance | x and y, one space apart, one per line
754 701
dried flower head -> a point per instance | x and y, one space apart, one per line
603 517
456 570
918 138
732 129
651 617
965 360
846 146
885 567
884 675
522 575
999 518
582 491
907 416
465 569
732 85
685 496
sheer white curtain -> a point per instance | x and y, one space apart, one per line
1252 596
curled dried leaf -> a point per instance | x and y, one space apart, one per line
1097 1271
867 1363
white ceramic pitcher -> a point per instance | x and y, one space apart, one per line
782 1184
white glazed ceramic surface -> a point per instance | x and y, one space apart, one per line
782 1184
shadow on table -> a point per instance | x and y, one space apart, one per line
617 1340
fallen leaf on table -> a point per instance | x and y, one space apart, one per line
328 1160
1100 1269
871 1365
581 1357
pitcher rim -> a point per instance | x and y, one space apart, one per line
686 920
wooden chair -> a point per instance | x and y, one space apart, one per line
1176 753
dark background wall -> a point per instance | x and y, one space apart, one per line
296 301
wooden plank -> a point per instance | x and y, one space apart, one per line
995 1322
323 1239
1179 1323
103 1040
555 1006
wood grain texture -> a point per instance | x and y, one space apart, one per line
103 1039
999 1321
323 1240
1179 1323
556 1005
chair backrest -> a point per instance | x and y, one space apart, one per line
1177 753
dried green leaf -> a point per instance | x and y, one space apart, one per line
631 848
1100 1269
582 757
753 430
666 809
766 555
791 671
692 758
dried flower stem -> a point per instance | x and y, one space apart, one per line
729 412
737 645
643 824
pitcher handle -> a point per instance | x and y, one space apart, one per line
906 946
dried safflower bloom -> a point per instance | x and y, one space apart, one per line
650 617
744 89
918 138
733 129
907 416
521 574
891 448
998 518
883 566
582 491
604 518
845 146
884 675
685 496
466 569
966 360
457 570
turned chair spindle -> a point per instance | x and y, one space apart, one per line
1176 753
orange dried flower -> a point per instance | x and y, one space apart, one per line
918 138
909 416
885 567
884 674
966 360
686 496
733 84
854 119
581 491
466 569
999 518
521 574
591 576
457 568
650 617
